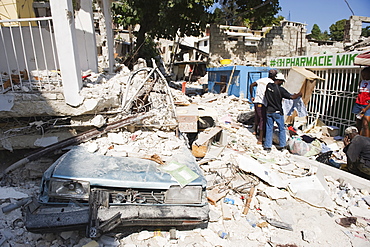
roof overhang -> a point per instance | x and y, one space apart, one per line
188 48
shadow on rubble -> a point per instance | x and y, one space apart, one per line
124 231
32 171
7 158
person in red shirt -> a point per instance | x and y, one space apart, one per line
362 105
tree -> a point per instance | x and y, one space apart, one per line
337 30
317 34
253 13
277 20
218 17
325 35
260 13
227 14
366 31
162 18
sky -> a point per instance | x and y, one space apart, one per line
324 13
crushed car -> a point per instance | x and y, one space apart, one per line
100 193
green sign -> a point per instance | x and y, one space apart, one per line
325 60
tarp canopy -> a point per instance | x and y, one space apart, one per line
363 59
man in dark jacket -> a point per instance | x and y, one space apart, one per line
357 149
274 95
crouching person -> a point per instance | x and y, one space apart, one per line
357 150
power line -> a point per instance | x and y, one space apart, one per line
349 7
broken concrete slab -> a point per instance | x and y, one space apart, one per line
275 193
312 191
206 135
45 141
11 193
249 164
335 173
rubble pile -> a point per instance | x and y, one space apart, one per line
215 61
257 198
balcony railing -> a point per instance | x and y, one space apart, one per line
29 58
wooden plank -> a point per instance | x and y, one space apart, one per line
214 196
249 199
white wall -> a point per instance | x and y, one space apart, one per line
204 47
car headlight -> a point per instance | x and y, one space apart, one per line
63 188
185 195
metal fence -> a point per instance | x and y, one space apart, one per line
332 100
29 58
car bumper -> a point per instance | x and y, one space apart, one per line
54 218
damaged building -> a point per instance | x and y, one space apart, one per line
120 158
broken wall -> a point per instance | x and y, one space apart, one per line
353 28
51 104
221 47
289 39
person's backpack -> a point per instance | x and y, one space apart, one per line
246 118
324 157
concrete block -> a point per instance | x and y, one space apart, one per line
30 97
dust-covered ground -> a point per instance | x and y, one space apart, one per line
288 207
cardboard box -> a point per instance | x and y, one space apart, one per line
199 151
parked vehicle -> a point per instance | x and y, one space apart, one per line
100 193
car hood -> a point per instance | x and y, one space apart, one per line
120 172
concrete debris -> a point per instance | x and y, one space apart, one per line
11 193
66 235
46 141
278 224
6 102
256 198
311 190
98 121
144 235
85 136
12 206
147 89
91 244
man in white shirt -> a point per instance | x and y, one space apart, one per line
259 102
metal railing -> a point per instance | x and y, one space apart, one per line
333 99
29 58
